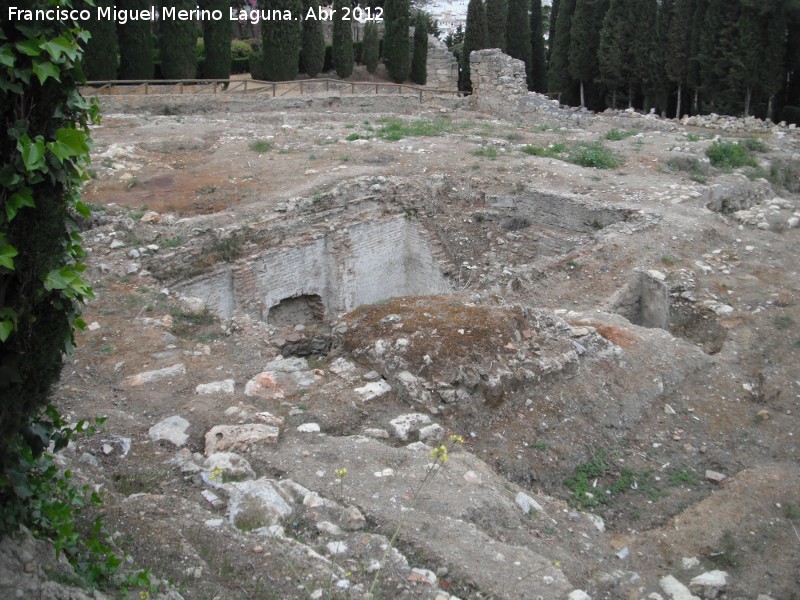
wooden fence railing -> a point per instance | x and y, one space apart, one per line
274 89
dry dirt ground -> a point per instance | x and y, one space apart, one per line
636 418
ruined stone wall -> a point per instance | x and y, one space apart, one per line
442 66
498 81
363 264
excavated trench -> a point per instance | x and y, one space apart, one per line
315 282
646 301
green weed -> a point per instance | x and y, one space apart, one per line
552 151
260 146
594 155
697 170
730 155
487 152
783 322
394 129
616 135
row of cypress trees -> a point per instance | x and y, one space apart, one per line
726 56
674 56
285 44
514 26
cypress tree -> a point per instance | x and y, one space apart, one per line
774 73
281 41
746 71
395 40
100 60
551 31
678 46
538 77
558 78
177 43
135 44
312 53
694 79
496 23
217 40
419 62
342 40
476 37
584 41
371 48
614 55
518 33
718 51
661 83
643 45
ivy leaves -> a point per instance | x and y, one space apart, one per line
33 57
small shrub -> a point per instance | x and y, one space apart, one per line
783 322
552 151
730 155
667 260
698 170
260 146
692 137
616 135
594 156
785 174
754 144
487 152
240 49
394 129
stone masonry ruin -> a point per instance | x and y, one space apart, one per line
337 272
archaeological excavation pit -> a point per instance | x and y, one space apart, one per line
312 283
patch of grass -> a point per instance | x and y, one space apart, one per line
356 136
394 129
693 137
683 477
572 263
260 146
667 260
594 155
552 151
595 224
344 158
598 482
171 242
785 174
783 322
541 446
697 169
513 136
730 155
791 512
487 152
616 135
754 144
725 554
228 248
